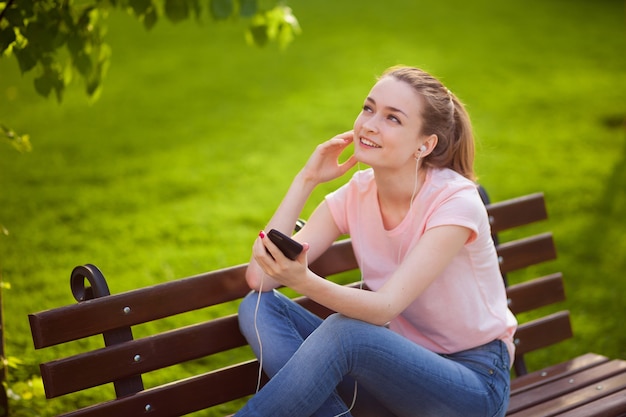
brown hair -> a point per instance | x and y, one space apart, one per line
443 115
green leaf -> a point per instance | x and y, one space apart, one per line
19 142
51 79
140 7
7 37
150 19
176 10
277 24
247 8
195 6
15 16
257 34
43 85
222 9
25 59
94 81
83 64
288 27
85 18
26 9
76 43
40 36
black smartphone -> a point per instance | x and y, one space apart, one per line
289 247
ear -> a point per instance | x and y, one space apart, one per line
427 146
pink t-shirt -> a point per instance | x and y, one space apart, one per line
463 308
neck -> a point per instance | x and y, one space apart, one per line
395 194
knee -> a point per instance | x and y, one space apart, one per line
256 308
248 305
338 327
346 332
247 312
339 321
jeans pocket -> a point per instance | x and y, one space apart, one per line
490 361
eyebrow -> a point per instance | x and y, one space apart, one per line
393 109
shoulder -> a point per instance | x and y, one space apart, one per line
449 177
443 184
451 196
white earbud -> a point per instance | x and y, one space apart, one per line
421 150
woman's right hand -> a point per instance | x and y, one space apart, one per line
323 165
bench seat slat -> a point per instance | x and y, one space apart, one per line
112 363
574 399
183 397
565 385
543 332
536 293
525 252
613 405
545 375
517 212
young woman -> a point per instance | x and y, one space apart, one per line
433 337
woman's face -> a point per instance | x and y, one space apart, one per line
387 131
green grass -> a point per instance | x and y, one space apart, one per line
196 137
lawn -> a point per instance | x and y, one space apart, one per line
197 135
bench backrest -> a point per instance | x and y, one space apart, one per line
124 360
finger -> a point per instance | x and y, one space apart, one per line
262 251
303 255
347 135
267 243
342 138
348 163
271 249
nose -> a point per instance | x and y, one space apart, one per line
370 124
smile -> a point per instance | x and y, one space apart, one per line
369 143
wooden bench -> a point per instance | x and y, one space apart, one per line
583 386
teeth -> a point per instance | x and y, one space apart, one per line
369 143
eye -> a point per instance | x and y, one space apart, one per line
367 108
394 119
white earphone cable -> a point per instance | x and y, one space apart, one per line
258 335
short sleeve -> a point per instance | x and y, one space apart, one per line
461 208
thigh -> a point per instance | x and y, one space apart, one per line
275 327
410 380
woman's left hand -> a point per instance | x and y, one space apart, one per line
323 165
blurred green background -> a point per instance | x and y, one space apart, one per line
197 136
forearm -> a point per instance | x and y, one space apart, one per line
290 208
368 306
284 219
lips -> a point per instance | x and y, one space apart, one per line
369 143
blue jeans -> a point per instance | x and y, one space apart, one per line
313 363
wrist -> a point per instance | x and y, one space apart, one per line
306 181
305 284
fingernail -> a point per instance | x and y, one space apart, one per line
262 234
